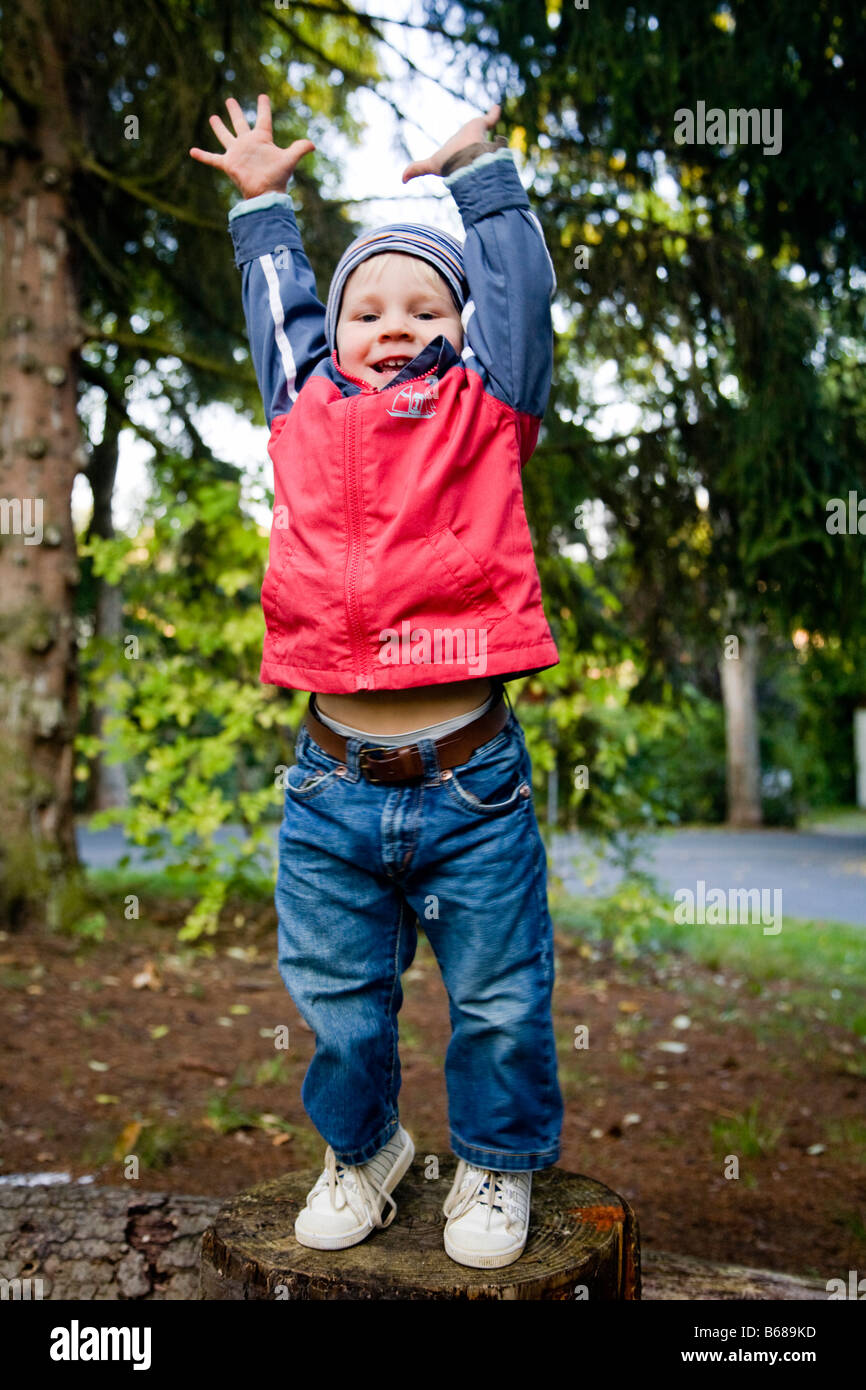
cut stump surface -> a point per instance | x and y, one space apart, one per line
583 1243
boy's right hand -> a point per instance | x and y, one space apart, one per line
252 161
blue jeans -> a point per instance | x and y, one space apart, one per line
361 865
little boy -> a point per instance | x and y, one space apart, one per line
402 591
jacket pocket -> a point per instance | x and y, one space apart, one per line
467 575
273 581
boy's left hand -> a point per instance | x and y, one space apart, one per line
469 134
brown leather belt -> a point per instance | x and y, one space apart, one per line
380 764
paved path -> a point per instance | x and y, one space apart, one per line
821 875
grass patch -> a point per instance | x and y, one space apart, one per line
850 1135
157 1145
12 978
849 820
273 1072
854 1222
89 1020
637 921
410 1037
112 886
748 1135
225 1115
162 1143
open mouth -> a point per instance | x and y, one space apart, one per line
391 364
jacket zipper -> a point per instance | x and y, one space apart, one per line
354 559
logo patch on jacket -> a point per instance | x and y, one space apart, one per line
416 400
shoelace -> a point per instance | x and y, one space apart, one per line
352 1181
502 1192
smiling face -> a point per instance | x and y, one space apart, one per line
393 305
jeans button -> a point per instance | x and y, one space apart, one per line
340 771
525 789
446 775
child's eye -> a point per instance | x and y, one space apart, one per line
365 317
427 314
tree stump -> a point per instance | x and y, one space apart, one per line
583 1244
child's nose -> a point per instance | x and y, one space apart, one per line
395 325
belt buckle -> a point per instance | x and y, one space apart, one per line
363 759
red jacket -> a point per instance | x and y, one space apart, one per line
400 553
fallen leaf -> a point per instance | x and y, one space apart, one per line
816 1149
193 1064
239 1008
126 1140
281 1139
159 1031
103 1099
681 1021
147 978
626 1006
98 1066
632 1118
672 1047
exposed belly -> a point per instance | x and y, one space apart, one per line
396 711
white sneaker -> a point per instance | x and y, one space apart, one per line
347 1201
488 1216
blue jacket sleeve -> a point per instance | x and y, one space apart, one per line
285 320
507 326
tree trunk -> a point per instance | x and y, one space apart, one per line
583 1244
738 671
108 781
40 453
82 1243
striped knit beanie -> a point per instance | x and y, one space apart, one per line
442 251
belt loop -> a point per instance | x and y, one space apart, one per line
427 752
353 748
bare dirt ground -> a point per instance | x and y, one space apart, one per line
138 1047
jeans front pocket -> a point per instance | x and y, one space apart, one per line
304 783
313 769
497 778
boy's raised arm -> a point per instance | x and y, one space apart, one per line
507 323
285 319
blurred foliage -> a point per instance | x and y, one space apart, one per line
202 738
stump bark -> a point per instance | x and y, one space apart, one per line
583 1243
